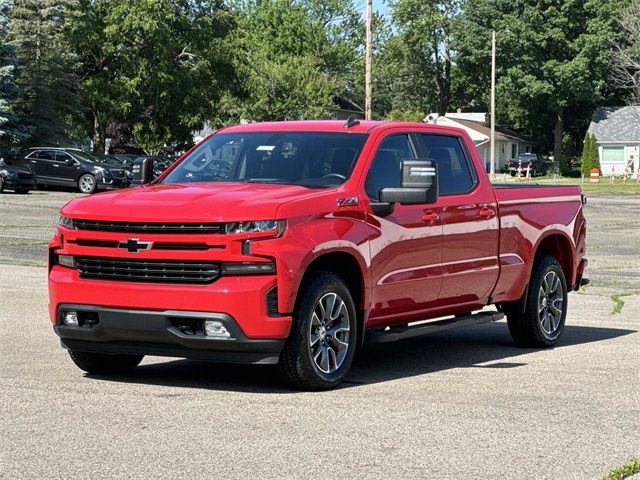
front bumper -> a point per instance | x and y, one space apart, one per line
172 333
12 183
113 183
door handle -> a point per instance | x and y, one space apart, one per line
487 212
430 217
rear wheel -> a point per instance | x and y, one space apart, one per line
104 363
87 183
542 320
320 348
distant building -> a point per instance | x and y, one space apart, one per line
344 108
617 132
478 125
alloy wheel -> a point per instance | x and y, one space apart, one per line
329 333
550 303
87 184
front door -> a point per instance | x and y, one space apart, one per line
406 255
470 227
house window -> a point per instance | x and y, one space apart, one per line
514 150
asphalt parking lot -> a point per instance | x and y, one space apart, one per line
465 404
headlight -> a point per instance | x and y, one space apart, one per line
66 222
256 226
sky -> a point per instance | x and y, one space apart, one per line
378 5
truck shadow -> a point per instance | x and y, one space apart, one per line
483 346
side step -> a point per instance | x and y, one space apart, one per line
400 333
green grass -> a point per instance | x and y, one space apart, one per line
632 187
618 302
624 471
24 243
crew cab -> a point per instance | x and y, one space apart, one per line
319 236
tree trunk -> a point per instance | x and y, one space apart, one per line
98 134
557 137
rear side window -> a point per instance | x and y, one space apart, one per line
455 175
385 168
46 155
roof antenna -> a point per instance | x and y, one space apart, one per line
351 122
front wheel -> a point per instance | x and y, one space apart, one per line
104 363
87 183
543 319
320 348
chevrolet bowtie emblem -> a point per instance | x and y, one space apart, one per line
134 245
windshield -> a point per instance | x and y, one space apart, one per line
310 159
84 156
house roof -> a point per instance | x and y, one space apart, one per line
502 134
616 124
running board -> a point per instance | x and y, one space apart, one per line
400 333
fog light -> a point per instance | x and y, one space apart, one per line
66 260
71 318
214 328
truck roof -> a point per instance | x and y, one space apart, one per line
364 126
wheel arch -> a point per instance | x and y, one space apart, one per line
348 267
556 244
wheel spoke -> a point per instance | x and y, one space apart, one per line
328 306
329 333
556 306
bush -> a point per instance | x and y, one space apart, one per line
564 165
589 155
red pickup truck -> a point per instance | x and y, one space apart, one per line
292 243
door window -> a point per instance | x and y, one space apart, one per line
62 157
46 155
455 175
385 168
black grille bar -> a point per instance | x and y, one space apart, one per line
147 270
156 245
146 227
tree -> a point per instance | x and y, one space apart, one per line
626 59
422 48
7 86
590 155
296 57
158 70
45 79
553 59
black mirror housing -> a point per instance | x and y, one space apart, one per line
142 171
419 184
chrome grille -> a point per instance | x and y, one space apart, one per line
155 271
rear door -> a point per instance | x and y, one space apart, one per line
42 165
470 227
406 255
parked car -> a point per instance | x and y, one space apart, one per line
70 167
115 162
534 161
18 179
324 235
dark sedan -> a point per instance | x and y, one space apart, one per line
70 167
18 179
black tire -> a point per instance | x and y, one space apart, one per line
545 310
87 183
103 363
297 366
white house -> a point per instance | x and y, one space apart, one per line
477 125
617 132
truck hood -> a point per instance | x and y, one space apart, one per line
191 202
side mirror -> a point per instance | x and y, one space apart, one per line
142 171
419 186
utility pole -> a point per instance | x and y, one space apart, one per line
492 158
368 55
